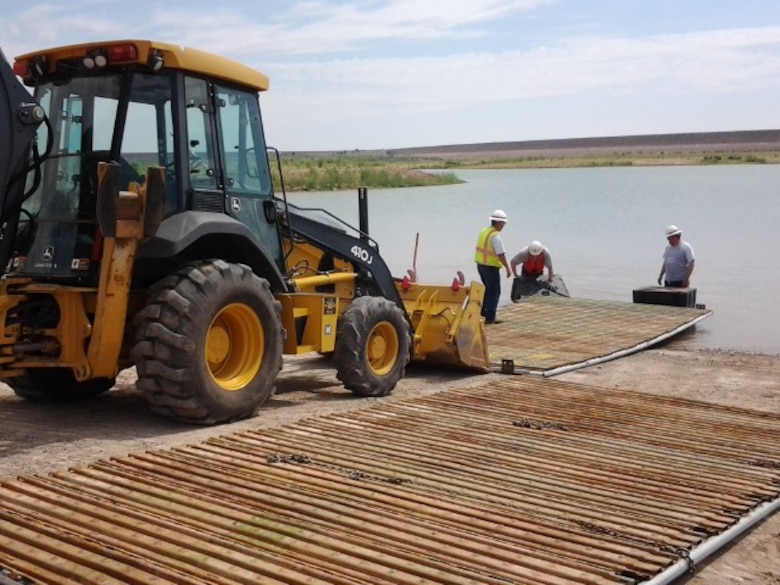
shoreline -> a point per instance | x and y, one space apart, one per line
333 170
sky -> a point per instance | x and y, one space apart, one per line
383 74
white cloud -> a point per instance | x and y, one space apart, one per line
315 28
718 61
423 64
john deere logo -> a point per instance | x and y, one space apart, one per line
48 253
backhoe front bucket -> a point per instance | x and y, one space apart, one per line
448 327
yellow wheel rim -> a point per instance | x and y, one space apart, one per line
382 348
234 346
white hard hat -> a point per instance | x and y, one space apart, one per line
535 248
498 215
673 230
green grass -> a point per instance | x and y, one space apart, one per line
338 172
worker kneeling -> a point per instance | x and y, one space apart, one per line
532 261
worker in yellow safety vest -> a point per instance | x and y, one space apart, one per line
490 257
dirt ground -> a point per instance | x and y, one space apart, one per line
38 439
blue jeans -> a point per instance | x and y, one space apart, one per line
491 278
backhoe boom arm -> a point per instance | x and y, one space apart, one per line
19 121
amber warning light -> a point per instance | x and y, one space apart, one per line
122 53
35 67
20 68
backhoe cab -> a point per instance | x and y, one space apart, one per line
140 227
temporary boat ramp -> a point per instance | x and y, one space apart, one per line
522 480
547 335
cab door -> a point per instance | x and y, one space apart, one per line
246 175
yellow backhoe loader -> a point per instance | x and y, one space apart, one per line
139 226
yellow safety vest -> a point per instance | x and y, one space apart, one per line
485 254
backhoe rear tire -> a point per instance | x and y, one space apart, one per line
209 343
56 385
373 342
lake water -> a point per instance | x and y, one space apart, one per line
605 230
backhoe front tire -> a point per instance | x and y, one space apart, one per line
209 343
373 341
56 385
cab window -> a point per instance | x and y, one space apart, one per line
200 156
243 146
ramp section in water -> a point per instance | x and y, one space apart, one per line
523 481
547 334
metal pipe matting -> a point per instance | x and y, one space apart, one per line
523 481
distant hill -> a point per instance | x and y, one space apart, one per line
691 142
747 140
756 140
